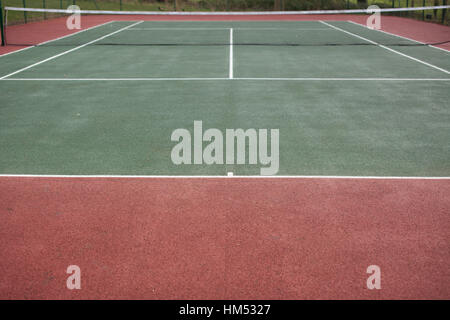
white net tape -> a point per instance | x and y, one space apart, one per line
184 13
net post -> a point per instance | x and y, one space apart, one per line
2 28
24 3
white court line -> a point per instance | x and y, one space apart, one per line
220 79
177 29
113 79
18 50
402 37
230 73
59 38
218 177
227 28
68 51
345 79
292 29
389 49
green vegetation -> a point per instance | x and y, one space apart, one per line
226 5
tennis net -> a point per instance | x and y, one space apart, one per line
50 27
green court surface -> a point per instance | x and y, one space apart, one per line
343 105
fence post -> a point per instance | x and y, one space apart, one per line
174 5
120 5
444 11
423 11
43 6
24 13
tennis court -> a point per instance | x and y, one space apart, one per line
318 82
349 102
